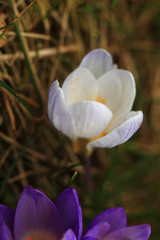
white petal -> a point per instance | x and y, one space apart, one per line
117 88
98 61
80 85
90 118
58 112
120 134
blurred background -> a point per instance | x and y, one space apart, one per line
45 41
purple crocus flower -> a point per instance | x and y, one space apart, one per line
37 218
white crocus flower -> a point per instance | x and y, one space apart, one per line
95 103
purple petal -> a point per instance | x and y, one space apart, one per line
58 111
121 133
5 233
36 215
70 210
141 232
115 217
98 231
90 238
7 216
69 235
98 61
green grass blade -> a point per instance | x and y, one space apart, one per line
7 26
37 9
27 62
114 2
71 181
14 93
26 56
2 34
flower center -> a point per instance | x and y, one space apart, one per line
32 239
40 236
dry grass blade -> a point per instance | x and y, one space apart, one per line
18 145
6 28
42 53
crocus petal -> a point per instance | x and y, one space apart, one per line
141 232
98 62
98 231
5 233
79 85
58 111
118 88
7 216
69 235
70 211
90 118
90 238
36 216
120 134
115 217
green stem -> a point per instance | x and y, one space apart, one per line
89 180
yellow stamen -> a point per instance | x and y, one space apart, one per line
102 134
100 99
